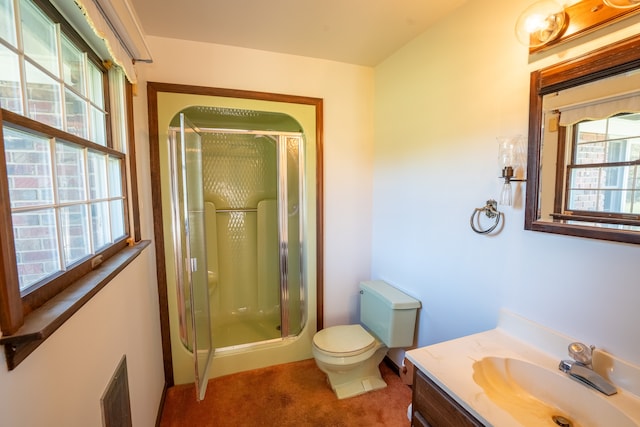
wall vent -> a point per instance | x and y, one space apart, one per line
116 406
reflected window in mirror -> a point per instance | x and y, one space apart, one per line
584 152
602 174
597 166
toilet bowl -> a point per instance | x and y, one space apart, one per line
350 355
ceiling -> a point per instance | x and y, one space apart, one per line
362 32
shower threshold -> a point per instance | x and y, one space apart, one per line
232 349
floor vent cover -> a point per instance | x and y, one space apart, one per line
116 406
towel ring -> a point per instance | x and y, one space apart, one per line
491 211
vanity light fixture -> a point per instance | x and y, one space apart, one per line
511 157
547 23
622 4
541 23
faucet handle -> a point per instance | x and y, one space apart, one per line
581 352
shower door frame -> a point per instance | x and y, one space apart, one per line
282 225
190 266
155 88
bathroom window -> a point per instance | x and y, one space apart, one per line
602 175
65 203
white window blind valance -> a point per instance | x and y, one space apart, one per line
101 27
600 109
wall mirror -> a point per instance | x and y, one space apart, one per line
584 146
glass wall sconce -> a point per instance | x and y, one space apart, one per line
511 157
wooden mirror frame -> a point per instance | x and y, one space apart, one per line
611 60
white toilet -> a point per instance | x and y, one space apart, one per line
350 354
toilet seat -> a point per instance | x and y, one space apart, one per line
344 341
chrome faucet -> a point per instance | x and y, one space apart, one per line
581 369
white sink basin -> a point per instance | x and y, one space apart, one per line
537 396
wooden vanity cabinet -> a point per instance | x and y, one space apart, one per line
432 407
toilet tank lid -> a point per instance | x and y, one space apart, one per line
396 298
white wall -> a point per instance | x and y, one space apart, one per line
441 101
347 91
62 381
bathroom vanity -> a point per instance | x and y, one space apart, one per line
509 376
433 407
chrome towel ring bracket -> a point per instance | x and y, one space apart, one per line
491 211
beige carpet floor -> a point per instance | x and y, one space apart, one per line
293 394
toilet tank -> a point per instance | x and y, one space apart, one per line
388 313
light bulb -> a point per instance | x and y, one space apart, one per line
540 23
622 4
506 198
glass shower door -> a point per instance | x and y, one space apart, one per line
191 254
290 227
254 184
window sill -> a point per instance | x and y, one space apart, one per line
631 220
44 321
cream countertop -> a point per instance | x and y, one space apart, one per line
450 365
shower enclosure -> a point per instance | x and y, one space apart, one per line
237 185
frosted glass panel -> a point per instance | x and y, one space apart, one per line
238 170
196 259
240 180
294 238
